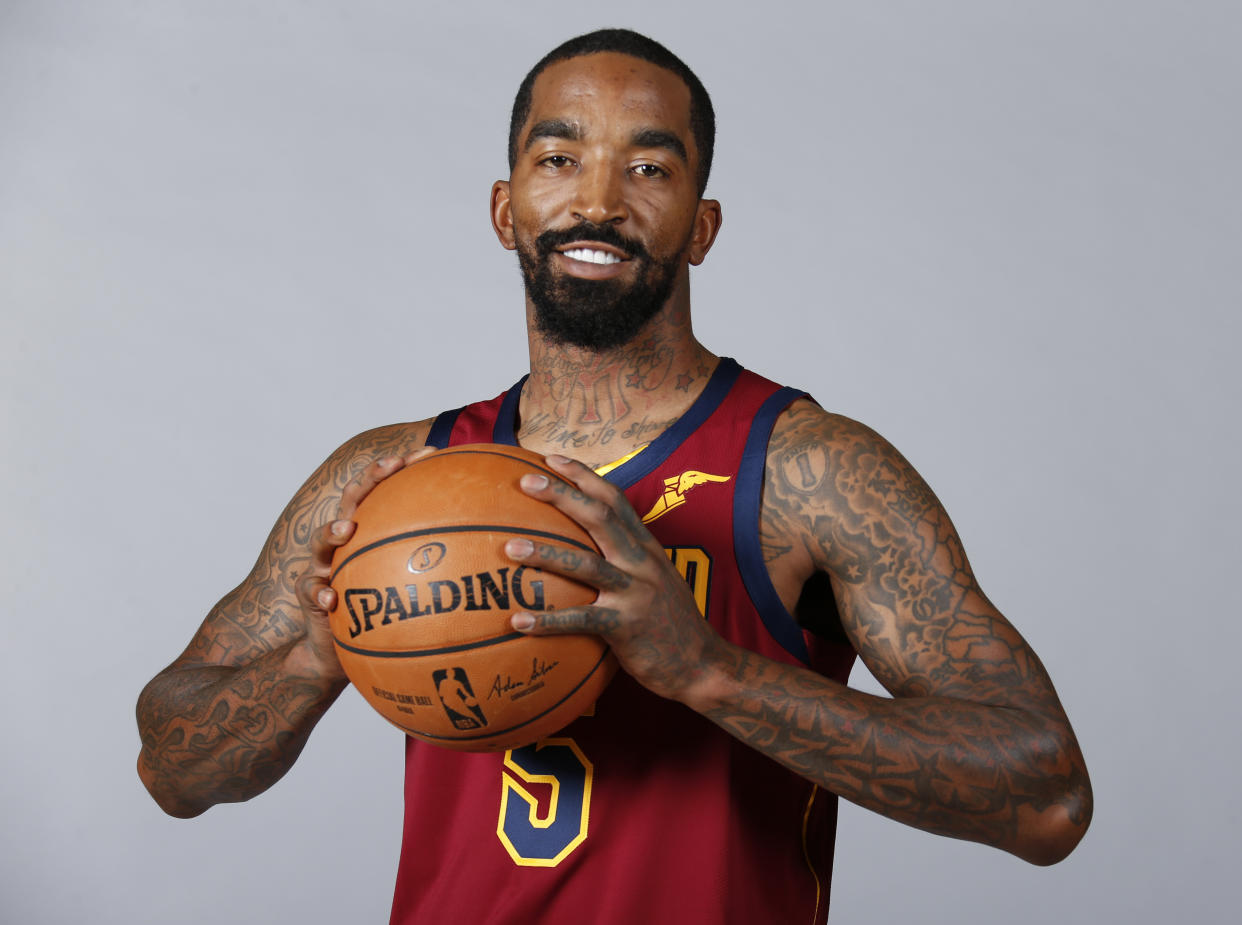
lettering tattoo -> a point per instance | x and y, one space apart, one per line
606 400
566 558
594 620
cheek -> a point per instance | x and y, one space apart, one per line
671 240
532 219
524 235
665 221
535 202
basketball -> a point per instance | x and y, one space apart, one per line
424 593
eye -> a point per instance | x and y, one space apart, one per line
650 171
555 161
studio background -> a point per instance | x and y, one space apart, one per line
1004 234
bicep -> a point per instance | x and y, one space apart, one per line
262 613
906 594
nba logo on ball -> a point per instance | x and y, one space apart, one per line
457 696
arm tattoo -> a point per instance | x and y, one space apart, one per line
212 735
975 743
228 718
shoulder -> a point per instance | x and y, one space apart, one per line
359 451
831 480
315 502
810 447
262 613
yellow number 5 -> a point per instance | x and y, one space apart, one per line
543 832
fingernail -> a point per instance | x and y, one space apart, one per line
325 598
522 621
519 549
535 482
340 527
558 459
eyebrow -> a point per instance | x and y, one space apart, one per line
658 138
572 131
553 128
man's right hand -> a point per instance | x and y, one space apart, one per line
231 714
315 595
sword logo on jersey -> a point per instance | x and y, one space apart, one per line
458 698
675 489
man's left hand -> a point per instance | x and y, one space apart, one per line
645 610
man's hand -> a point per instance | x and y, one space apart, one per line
314 594
645 610
973 744
230 715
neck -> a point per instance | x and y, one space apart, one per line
597 406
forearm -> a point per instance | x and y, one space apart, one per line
218 734
1003 776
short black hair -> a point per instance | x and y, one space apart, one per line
636 45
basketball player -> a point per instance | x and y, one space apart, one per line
752 545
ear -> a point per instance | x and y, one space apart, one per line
502 214
707 219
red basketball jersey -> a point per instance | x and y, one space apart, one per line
644 812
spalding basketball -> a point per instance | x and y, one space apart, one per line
424 593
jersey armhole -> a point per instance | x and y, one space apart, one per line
747 499
504 431
442 428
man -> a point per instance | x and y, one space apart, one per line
702 787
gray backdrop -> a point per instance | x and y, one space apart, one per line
1005 234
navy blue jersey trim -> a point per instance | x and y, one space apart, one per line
506 418
662 447
746 500
442 428
650 459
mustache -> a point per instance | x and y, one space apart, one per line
549 241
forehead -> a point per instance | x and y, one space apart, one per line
611 89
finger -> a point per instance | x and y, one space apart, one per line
597 505
320 599
583 477
600 621
362 486
419 454
325 541
578 564
314 594
312 587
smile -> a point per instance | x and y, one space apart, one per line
590 255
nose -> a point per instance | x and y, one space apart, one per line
599 196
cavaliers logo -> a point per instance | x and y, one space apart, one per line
458 698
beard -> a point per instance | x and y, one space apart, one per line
598 314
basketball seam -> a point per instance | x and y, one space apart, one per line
459 528
421 653
469 451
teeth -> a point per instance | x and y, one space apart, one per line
589 255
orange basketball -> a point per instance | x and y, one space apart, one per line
425 592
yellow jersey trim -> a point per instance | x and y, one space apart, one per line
608 467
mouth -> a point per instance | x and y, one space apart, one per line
588 255
593 253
